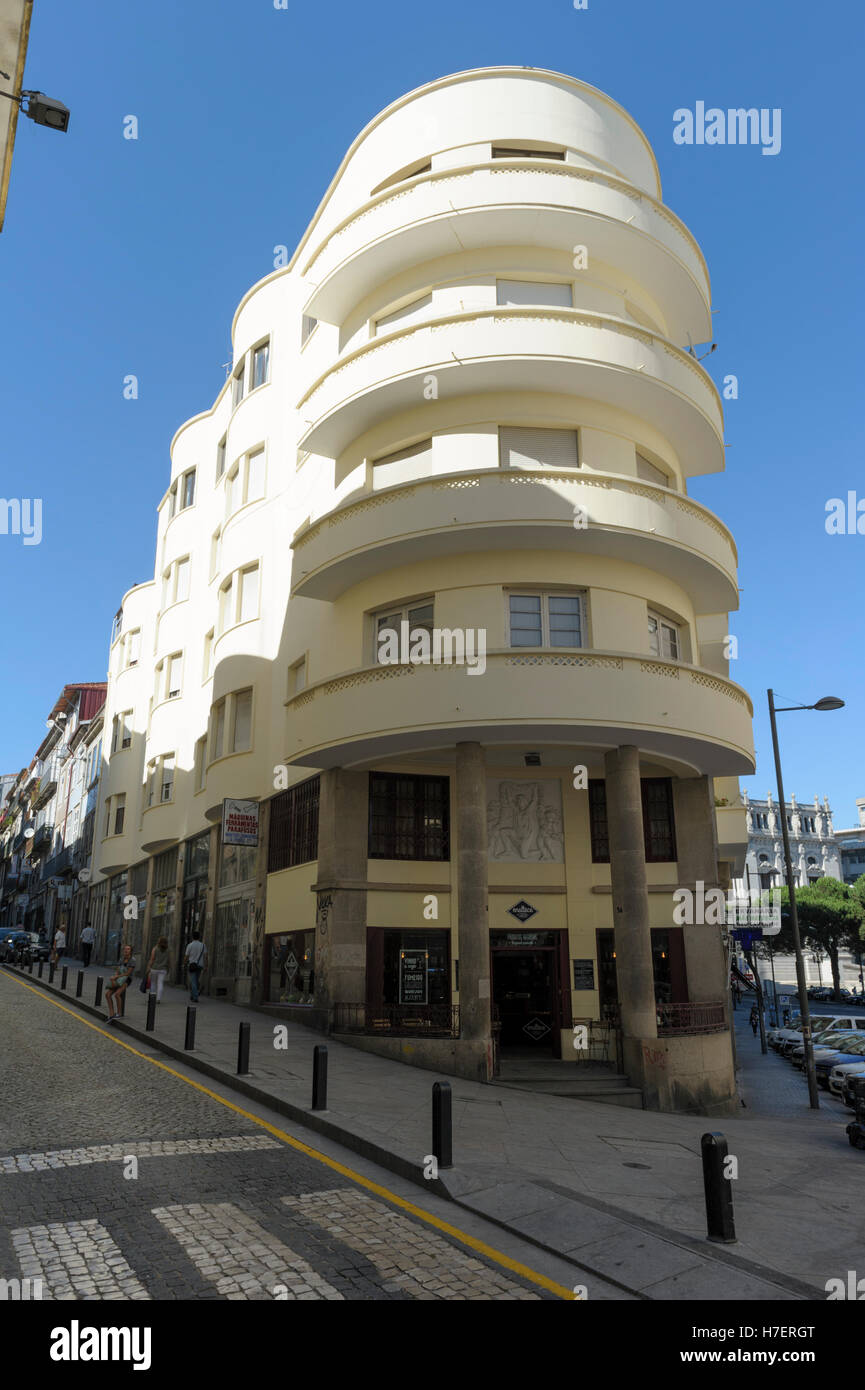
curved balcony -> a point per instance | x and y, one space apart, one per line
570 699
505 350
460 513
513 203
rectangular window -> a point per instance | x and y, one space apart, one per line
557 294
167 788
119 812
220 458
248 594
663 638
409 816
126 729
172 502
200 762
237 385
260 365
307 325
242 734
215 548
387 626
174 668
181 591
402 464
294 826
546 620
659 832
531 448
208 653
649 473
255 476
234 490
521 152
133 650
188 486
297 677
218 726
226 605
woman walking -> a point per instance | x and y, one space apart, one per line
158 967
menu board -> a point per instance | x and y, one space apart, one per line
413 977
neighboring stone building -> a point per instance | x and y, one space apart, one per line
851 844
814 852
463 408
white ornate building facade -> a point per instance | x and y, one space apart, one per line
814 851
463 407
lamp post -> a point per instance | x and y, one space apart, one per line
828 702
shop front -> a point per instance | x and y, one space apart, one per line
195 869
668 967
408 976
290 968
530 990
231 963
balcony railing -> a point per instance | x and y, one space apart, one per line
398 1020
678 1019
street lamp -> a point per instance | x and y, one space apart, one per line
43 110
828 702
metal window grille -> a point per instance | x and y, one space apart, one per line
409 817
294 826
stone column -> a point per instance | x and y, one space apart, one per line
697 850
472 918
340 936
258 982
630 894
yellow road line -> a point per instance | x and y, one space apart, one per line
472 1242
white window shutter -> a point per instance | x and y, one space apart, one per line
532 448
534 292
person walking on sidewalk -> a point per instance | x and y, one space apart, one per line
196 959
86 940
119 983
158 967
59 945
754 1020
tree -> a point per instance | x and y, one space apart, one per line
831 920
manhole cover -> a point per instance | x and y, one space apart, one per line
536 1028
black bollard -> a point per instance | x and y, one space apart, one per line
243 1050
31 965
442 1142
51 969
151 1013
80 985
189 1040
718 1189
64 972
319 1078
121 1006
98 1000
41 964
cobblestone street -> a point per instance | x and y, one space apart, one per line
121 1181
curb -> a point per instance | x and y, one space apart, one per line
404 1168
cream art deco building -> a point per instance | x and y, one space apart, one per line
462 413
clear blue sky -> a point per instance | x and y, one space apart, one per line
122 256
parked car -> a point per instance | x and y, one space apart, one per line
829 1041
824 1065
819 1023
848 1093
39 948
839 1074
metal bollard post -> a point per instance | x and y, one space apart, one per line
442 1141
63 974
243 1050
98 1000
718 1189
319 1078
151 1013
80 985
121 1008
41 964
51 969
189 1040
31 965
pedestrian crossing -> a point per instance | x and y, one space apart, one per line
240 1259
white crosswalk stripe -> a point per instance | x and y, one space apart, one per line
412 1258
149 1148
236 1254
75 1259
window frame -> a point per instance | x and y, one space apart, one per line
545 595
262 346
401 613
384 802
675 627
652 844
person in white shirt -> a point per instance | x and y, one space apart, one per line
195 956
86 940
59 945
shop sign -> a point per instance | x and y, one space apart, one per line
584 974
522 910
413 977
239 822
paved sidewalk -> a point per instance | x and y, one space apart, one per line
617 1191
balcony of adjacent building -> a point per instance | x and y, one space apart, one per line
497 351
572 700
508 509
519 201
